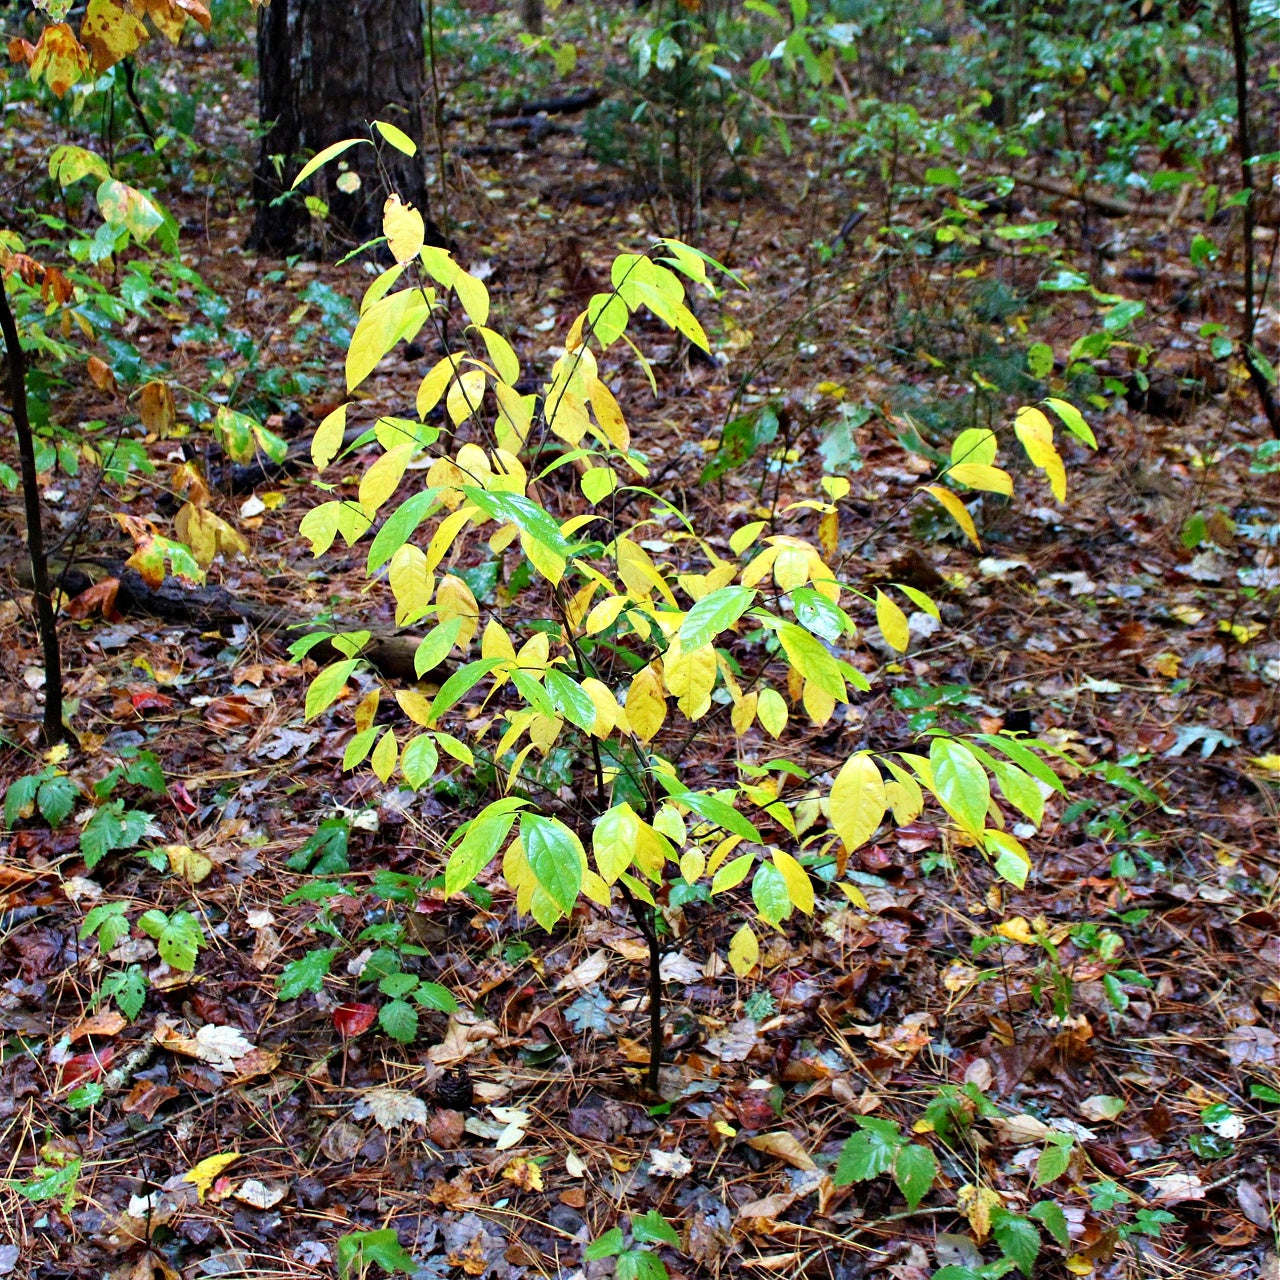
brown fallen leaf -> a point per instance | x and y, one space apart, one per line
783 1146
107 1022
146 1097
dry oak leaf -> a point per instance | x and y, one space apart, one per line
585 975
106 1023
392 1108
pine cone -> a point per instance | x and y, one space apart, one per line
453 1090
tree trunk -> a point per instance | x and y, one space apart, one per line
326 68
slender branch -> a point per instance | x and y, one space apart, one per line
1244 144
46 624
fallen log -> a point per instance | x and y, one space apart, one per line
213 608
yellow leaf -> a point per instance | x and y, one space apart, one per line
977 475
454 600
742 538
403 226
328 437
744 951
1016 930
156 408
415 705
411 583
465 395
433 385
858 801
690 677
646 705
110 32
1270 763
854 894
605 614
771 711
609 415
817 702
744 712
1079 1265
693 863
383 477
204 1173
473 296
977 1204
956 510
892 622
799 886
385 755
606 706
186 862
524 1173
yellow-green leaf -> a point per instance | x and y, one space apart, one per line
892 622
857 801
328 437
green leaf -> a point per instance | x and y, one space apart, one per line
397 137
399 527
323 157
960 784
399 1020
431 995
607 1246
60 1182
1074 421
398 984
712 808
570 699
1055 1159
418 760
914 1171
640 1264
56 798
717 611
460 683
20 799
810 657
87 1095
178 937
653 1228
540 535
327 685
1050 1216
1019 751
770 894
306 974
128 988
1018 1239
358 1249
483 838
556 857
868 1153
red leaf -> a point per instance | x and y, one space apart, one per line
352 1019
145 700
84 1066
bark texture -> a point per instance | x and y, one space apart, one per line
326 68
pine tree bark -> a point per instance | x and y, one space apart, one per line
326 68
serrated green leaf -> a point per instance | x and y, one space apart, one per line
431 995
56 798
399 1020
866 1155
653 1228
607 1246
305 974
1018 1239
914 1171
1049 1215
357 1249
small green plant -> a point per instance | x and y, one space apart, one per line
636 1261
360 1250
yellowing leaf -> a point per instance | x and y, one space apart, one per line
744 951
417 706
783 1146
977 475
454 600
204 1173
383 477
956 510
411 583
385 755
328 437
799 886
1016 930
892 622
646 704
771 711
186 862
858 801
404 228
110 32
744 712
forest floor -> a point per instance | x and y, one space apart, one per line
1153 665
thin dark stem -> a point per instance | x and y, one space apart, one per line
45 621
647 925
1244 143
